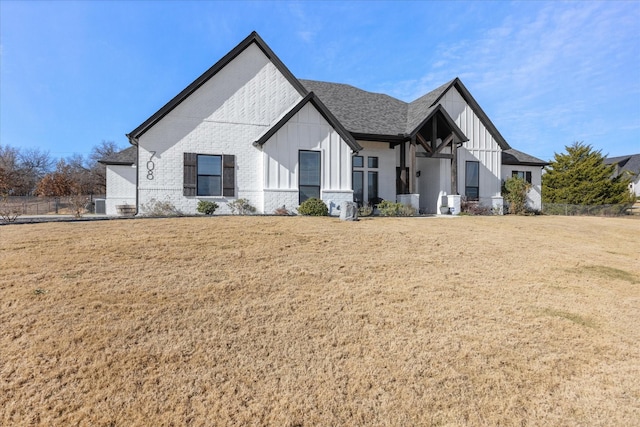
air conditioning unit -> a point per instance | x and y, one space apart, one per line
101 206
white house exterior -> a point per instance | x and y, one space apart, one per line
629 166
247 128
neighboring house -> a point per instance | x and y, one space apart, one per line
247 128
629 166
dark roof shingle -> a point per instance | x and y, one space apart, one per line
361 111
124 157
515 157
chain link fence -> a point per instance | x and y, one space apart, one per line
587 210
33 205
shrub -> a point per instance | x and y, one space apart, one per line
514 191
473 207
158 208
241 207
388 208
283 211
8 212
313 207
206 207
365 210
406 210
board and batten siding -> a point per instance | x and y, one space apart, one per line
222 117
481 147
306 130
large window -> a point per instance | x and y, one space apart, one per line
358 187
365 191
472 180
372 178
526 175
209 175
309 175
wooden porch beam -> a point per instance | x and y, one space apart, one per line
412 165
434 133
435 156
403 168
424 143
444 143
454 168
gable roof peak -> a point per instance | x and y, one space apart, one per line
252 38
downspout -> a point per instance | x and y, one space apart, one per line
134 141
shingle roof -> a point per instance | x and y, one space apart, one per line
370 113
515 157
630 163
419 109
361 111
323 110
124 157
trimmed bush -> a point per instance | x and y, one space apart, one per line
207 208
313 207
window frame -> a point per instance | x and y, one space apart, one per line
214 193
359 200
302 195
526 175
467 187
190 175
372 183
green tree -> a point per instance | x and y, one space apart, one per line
580 177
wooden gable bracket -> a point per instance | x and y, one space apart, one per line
424 143
444 143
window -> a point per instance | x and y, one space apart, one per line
358 186
372 190
208 175
309 175
472 180
365 191
526 175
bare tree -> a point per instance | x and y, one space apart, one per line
98 170
20 170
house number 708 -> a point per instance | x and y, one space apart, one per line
150 166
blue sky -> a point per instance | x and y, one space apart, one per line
547 73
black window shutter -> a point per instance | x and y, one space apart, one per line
190 174
228 175
528 177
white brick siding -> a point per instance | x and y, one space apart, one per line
121 187
224 116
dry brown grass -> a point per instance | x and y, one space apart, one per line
313 321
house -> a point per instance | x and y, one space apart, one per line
629 166
248 128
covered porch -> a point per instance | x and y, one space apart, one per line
428 161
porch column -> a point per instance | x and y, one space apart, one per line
403 168
454 167
412 165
